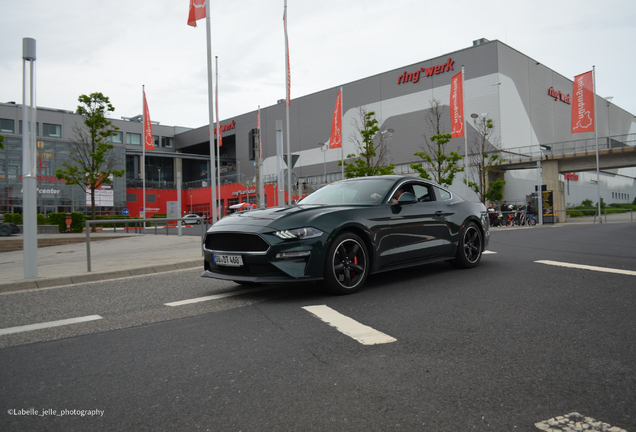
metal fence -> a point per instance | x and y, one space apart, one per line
139 227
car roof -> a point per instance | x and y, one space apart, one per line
395 177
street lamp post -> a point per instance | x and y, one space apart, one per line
323 148
607 101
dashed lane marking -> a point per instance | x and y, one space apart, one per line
214 297
49 324
488 252
587 267
352 328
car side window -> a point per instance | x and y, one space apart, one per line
442 194
423 193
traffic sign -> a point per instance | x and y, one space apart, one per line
125 212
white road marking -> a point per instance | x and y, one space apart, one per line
214 297
352 328
488 252
575 422
587 267
49 324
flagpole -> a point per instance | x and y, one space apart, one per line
260 162
218 135
598 169
287 103
211 111
143 146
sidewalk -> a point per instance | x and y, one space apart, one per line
112 256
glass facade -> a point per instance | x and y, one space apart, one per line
53 195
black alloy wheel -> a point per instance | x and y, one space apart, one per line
346 265
469 247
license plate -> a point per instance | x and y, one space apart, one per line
228 260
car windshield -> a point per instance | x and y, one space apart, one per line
363 191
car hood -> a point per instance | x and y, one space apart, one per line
281 217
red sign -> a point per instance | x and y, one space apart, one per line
227 127
430 71
557 95
570 176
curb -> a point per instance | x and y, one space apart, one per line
95 277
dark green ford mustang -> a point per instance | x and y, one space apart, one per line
346 231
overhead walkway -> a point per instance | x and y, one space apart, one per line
568 157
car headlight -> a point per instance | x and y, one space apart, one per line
298 234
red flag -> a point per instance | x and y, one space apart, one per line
196 12
457 106
288 99
149 142
583 105
335 140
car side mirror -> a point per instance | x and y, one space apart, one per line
407 198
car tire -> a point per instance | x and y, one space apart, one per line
5 230
346 264
469 247
198 221
183 222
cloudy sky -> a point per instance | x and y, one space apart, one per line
116 46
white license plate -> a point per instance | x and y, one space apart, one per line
228 260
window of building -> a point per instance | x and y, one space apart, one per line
51 130
131 197
117 138
155 139
166 142
7 125
151 198
37 128
133 138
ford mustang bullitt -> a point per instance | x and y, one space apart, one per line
347 230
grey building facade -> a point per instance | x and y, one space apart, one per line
527 101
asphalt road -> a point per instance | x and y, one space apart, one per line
502 347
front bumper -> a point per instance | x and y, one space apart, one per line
267 266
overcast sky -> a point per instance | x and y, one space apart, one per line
116 46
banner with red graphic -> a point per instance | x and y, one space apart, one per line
335 140
196 12
457 106
149 142
583 103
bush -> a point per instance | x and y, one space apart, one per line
59 219
588 203
15 218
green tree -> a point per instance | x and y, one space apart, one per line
92 162
1 142
438 165
485 158
369 160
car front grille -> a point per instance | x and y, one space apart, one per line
235 242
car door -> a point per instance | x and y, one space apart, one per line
417 228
